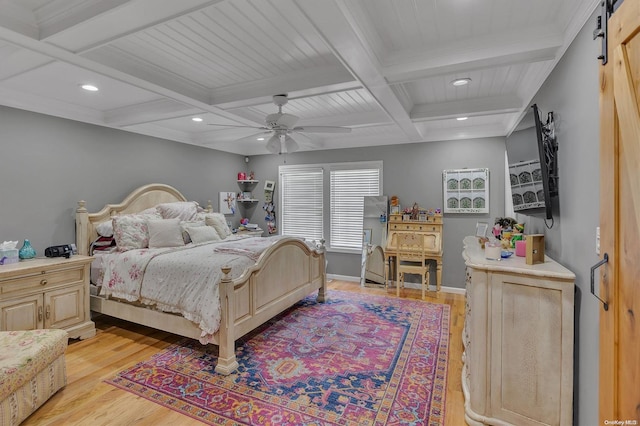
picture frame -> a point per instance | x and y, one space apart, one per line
227 202
395 209
366 236
269 185
481 229
466 190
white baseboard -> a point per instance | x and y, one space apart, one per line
444 289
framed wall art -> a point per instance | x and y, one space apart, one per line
228 202
466 190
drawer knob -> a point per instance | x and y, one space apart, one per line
43 282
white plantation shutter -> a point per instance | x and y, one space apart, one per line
349 185
301 208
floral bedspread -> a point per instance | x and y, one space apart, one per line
181 280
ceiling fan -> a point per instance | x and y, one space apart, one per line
282 127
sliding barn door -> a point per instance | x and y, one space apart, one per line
620 218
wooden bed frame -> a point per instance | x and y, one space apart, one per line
284 274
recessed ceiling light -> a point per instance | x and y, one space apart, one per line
461 81
260 139
461 118
196 119
90 87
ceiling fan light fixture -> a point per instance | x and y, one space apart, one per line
290 145
461 81
273 145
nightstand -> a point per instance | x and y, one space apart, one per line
254 233
47 293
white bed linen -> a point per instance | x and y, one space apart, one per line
182 280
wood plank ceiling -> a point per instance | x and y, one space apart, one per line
382 68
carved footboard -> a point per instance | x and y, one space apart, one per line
285 273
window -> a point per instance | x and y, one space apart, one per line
348 187
304 197
302 202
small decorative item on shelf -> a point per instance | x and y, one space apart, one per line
27 251
415 211
251 175
406 214
242 176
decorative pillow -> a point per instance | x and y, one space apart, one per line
193 224
105 229
202 234
183 210
131 230
218 221
102 244
165 233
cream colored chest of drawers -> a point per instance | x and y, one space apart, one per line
518 341
47 293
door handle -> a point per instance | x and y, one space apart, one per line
593 270
39 313
48 312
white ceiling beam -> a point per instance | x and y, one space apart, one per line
147 112
78 61
468 107
18 18
94 27
337 27
527 46
468 132
48 106
298 84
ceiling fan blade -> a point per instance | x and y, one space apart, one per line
254 137
237 126
322 129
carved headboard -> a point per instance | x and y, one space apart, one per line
140 199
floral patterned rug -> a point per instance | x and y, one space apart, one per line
355 360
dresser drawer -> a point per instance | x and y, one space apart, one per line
414 227
42 280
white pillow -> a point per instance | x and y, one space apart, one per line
105 229
218 221
185 224
165 233
202 234
131 231
183 210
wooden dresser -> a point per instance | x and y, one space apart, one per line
518 341
430 228
47 293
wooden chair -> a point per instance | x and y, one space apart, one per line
410 259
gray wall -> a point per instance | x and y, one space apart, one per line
571 92
413 172
47 164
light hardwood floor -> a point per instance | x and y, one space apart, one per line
87 400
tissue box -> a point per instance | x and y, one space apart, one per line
8 256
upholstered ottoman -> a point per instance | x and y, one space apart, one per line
32 369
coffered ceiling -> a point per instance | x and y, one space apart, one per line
382 68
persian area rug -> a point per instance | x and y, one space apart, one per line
355 360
